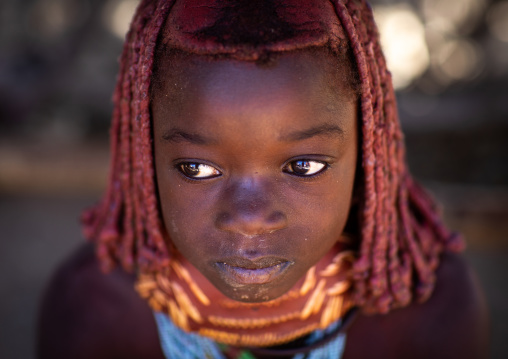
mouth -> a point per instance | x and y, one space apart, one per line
243 271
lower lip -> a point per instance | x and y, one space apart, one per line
252 276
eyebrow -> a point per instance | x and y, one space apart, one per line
327 129
177 135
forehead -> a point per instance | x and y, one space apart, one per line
314 72
226 97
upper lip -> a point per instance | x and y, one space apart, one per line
258 263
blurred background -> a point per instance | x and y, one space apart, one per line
58 62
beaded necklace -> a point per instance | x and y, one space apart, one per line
177 344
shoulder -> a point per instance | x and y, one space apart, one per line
88 314
452 323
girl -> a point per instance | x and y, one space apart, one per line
259 201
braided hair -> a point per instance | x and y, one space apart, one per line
400 230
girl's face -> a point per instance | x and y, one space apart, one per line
255 166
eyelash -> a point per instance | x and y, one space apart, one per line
310 163
186 167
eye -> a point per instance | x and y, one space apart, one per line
305 168
196 170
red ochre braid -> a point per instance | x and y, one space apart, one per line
401 233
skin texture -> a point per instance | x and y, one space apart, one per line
243 129
255 208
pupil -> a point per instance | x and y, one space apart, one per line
301 167
191 169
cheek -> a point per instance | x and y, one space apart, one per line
174 207
319 223
182 228
179 205
178 210
186 212
330 210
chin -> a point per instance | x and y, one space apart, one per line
253 294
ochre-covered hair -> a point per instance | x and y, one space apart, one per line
401 234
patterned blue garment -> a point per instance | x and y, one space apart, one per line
177 344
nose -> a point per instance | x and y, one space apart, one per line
249 209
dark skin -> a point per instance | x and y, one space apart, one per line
224 196
255 167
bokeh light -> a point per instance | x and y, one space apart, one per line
461 15
49 19
117 16
459 59
403 41
455 56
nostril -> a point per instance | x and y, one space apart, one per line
223 220
277 218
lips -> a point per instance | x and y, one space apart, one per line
244 271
